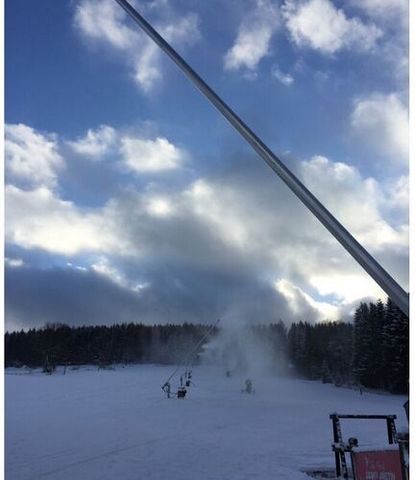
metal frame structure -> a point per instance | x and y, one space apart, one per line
339 447
397 294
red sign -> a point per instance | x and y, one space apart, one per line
377 465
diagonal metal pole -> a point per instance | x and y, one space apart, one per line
372 267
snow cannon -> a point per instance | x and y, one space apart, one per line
248 386
166 389
181 392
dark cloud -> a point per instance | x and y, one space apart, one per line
35 297
219 250
174 295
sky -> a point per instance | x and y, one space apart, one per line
130 199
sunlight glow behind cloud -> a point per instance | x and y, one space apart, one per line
300 302
219 225
159 207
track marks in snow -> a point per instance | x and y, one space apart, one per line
107 454
117 424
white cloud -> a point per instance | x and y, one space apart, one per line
149 156
241 222
103 22
284 78
104 268
300 302
96 143
159 207
288 240
397 194
183 29
382 122
134 150
384 9
39 219
80 268
13 262
224 224
393 53
355 201
147 70
217 207
346 286
30 156
254 36
319 25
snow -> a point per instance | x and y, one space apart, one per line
384 448
116 424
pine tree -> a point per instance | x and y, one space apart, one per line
362 345
396 342
375 322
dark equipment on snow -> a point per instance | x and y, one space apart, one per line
48 367
188 377
189 361
167 389
248 386
367 459
397 294
181 392
353 442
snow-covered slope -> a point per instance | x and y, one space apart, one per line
117 425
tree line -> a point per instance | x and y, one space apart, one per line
372 352
59 344
381 347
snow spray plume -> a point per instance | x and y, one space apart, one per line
191 355
241 348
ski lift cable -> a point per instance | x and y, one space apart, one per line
190 358
194 351
398 295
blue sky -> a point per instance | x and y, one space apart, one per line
128 198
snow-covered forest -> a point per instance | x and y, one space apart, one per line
372 352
